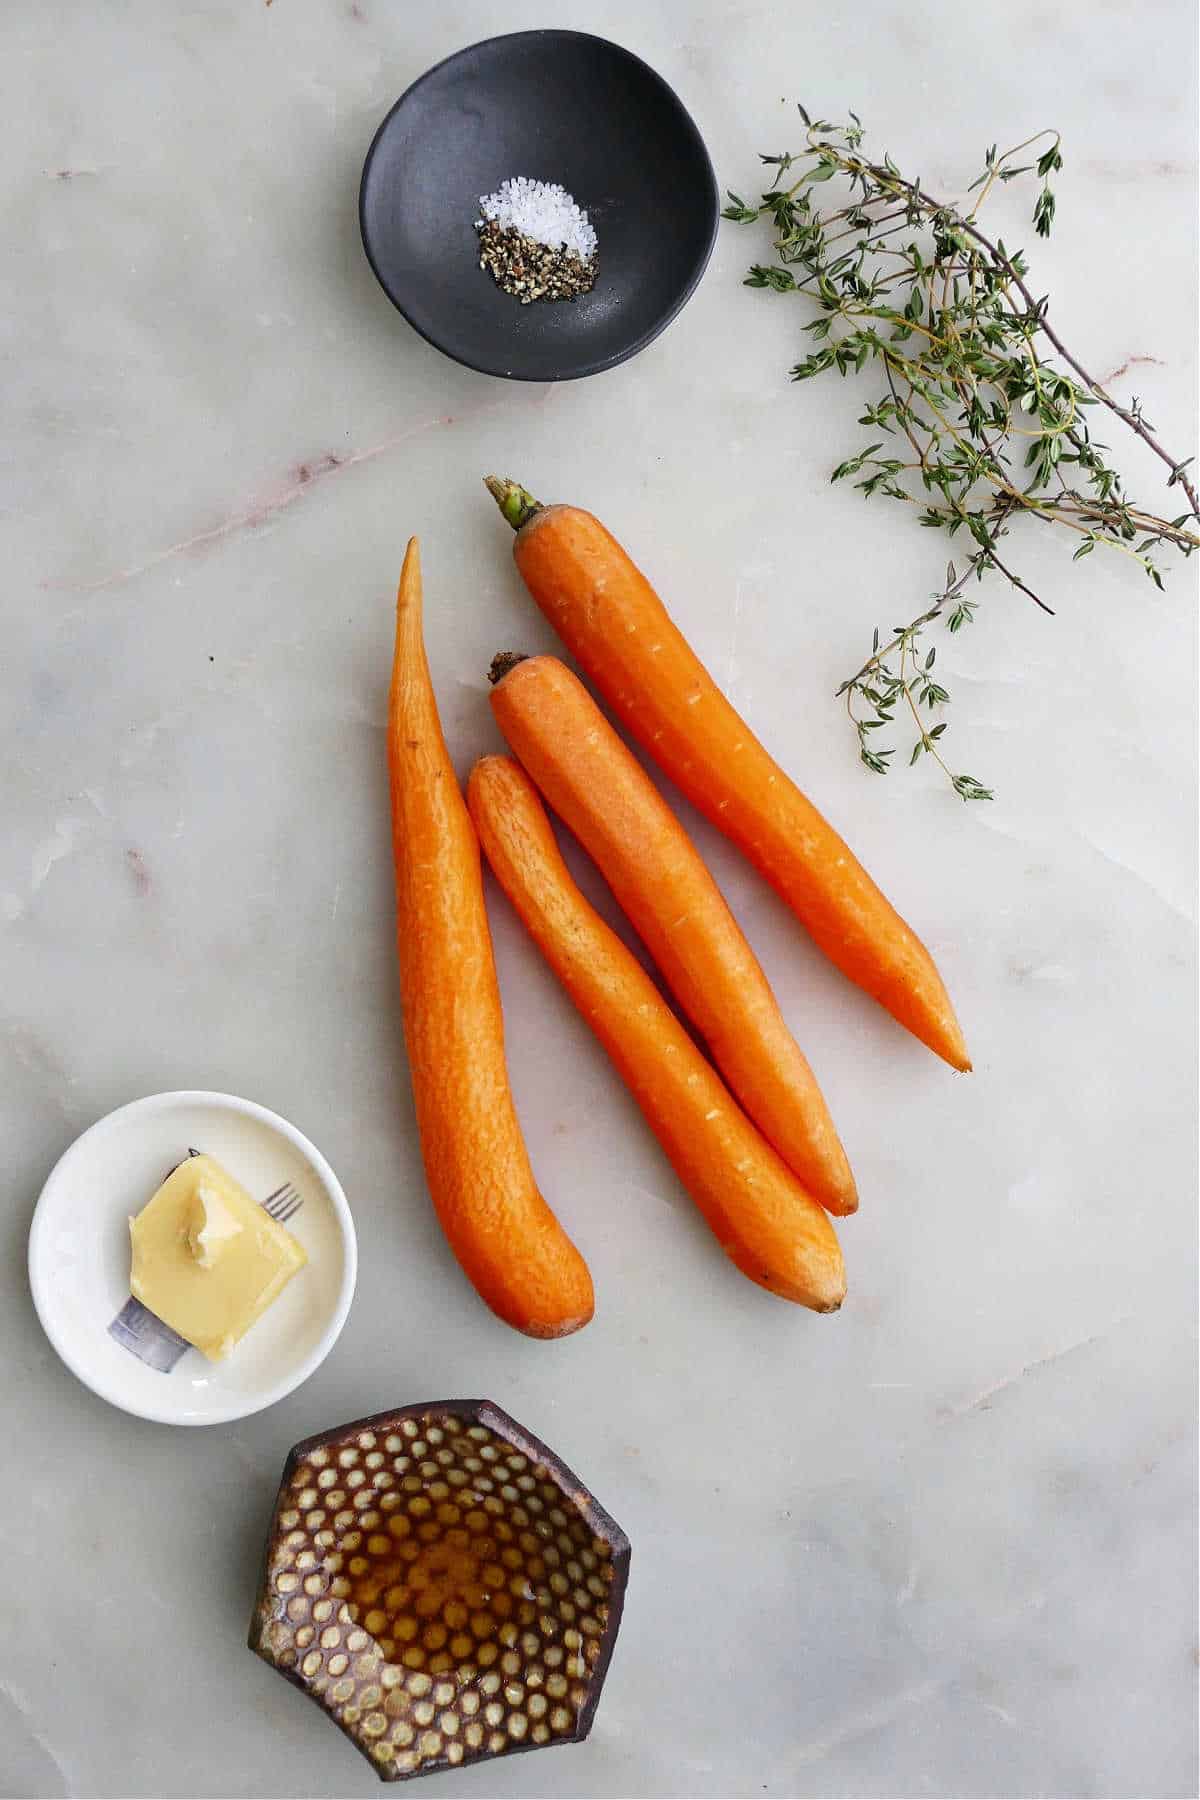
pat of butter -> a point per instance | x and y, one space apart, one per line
212 1225
207 1259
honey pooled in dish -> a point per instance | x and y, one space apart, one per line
207 1260
442 1585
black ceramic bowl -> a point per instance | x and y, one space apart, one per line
559 106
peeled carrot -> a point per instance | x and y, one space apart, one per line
618 629
606 798
763 1219
508 1241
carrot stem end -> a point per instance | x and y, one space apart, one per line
515 502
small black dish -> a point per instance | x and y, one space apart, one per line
558 106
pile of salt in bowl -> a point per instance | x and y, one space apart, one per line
535 241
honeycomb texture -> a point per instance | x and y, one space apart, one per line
442 1585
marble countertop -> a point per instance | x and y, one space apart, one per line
941 1544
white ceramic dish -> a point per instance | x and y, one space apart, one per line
79 1255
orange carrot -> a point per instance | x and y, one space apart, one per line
615 625
508 1241
763 1219
604 795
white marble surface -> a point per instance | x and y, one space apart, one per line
942 1544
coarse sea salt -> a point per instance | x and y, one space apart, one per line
542 210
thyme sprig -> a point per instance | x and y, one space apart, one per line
985 424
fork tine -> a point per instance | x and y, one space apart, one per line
283 1204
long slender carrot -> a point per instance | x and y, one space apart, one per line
508 1241
606 798
617 628
763 1219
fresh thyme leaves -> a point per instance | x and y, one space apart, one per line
896 672
985 423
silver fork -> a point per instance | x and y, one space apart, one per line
283 1204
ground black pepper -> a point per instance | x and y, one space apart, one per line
529 270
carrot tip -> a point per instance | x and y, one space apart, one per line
559 1328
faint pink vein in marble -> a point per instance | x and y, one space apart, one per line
302 477
988 1394
136 864
1131 362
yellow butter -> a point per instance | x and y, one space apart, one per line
212 1224
207 1259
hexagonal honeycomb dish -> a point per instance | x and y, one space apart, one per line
442 1585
